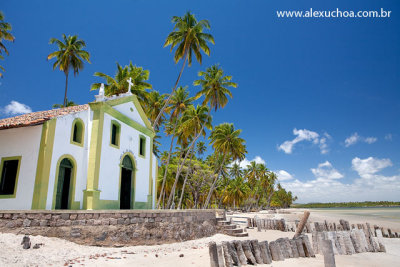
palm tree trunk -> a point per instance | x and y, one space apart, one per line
66 89
155 124
166 167
269 198
178 172
213 184
184 182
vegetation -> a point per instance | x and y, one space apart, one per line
5 34
69 56
69 104
348 204
185 179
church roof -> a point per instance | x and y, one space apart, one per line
39 117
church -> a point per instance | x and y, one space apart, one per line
92 157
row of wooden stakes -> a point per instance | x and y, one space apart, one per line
253 252
348 242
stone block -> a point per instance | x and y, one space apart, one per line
65 216
88 216
73 216
81 222
67 223
81 216
96 222
18 222
10 224
124 215
7 216
1 215
60 222
26 223
117 215
142 215
75 222
134 220
55 217
44 223
35 222
47 217
127 221
113 221
158 219
95 216
120 221
105 221
15 216
90 222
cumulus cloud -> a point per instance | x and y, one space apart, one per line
243 164
389 137
355 138
15 108
327 186
326 171
306 135
283 175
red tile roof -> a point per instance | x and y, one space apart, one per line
36 118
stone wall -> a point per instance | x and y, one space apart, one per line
113 228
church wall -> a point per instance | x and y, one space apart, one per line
78 154
129 109
24 142
112 156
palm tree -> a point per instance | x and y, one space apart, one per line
119 84
178 104
272 179
192 122
226 142
153 104
201 148
5 34
189 37
69 104
69 56
237 189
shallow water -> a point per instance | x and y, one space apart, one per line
387 213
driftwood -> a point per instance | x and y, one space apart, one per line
307 246
329 256
227 255
276 253
247 251
293 246
265 253
300 249
302 223
256 251
239 250
234 255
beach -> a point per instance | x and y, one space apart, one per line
58 252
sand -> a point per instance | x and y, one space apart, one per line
58 252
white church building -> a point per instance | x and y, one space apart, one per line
94 156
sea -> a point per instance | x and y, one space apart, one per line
381 213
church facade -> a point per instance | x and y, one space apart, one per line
92 157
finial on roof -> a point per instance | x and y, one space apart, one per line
130 84
100 96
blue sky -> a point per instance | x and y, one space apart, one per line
305 84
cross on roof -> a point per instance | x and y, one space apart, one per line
130 84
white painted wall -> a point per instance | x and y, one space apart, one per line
133 114
23 142
155 162
111 160
63 146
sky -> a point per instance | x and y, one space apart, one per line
318 98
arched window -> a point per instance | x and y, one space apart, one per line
77 132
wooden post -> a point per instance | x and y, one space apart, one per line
340 239
348 244
265 253
232 251
240 252
248 222
284 249
307 246
212 249
227 255
256 251
355 241
276 253
300 249
327 250
247 251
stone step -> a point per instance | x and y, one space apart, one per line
224 222
233 231
240 234
231 226
220 219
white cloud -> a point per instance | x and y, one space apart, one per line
15 108
389 137
243 164
305 135
326 171
355 138
352 140
369 166
283 175
368 185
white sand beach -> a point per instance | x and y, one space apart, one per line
58 252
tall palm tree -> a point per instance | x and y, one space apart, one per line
119 83
180 101
272 179
5 34
201 148
237 189
69 56
152 105
226 141
189 37
192 122
69 104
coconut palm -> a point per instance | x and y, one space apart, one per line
189 37
69 56
178 104
119 83
272 179
5 34
69 104
226 142
152 105
193 121
201 148
238 189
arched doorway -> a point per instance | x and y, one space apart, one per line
126 183
63 194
